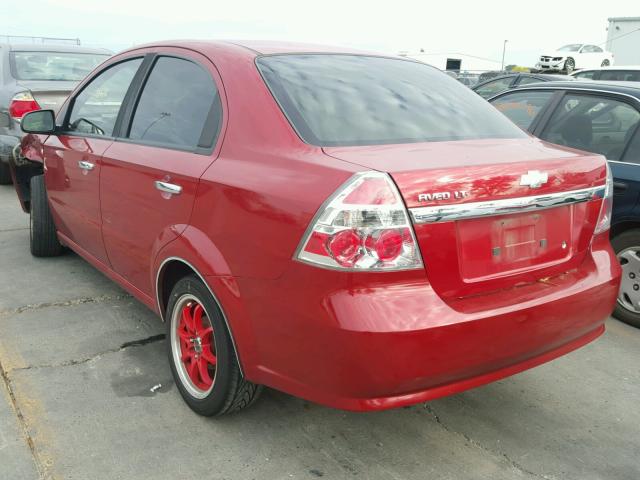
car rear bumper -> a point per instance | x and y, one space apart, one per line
364 345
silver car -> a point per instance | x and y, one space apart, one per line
34 77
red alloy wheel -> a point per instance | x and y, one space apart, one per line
197 347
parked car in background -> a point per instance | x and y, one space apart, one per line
575 56
236 190
496 85
614 74
604 118
34 77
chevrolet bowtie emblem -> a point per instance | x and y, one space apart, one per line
534 178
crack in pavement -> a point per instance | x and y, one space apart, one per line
64 303
477 444
69 363
40 465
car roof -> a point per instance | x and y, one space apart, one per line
610 67
27 47
628 88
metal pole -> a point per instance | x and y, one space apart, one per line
504 48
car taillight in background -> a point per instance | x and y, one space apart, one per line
21 104
604 219
364 226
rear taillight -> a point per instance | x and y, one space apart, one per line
604 219
21 104
363 226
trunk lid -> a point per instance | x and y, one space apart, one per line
50 95
483 249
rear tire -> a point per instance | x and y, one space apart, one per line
201 354
627 243
43 237
5 174
605 63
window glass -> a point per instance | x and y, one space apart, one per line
490 89
175 103
96 108
529 80
596 49
574 47
632 155
587 74
523 107
620 75
54 65
335 99
596 124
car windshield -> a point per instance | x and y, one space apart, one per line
574 47
342 100
54 65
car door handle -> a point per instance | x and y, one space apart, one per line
86 165
168 187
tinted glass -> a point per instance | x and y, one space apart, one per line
175 104
523 107
632 155
620 75
54 65
96 108
596 124
529 80
589 74
490 89
570 48
362 100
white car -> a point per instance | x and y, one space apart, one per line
575 56
628 73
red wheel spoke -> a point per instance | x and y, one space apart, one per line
204 372
187 318
184 335
204 334
197 318
192 370
208 355
186 355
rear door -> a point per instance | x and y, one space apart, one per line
150 176
73 158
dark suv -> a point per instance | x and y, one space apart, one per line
34 77
600 117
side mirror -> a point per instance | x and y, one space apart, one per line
40 121
5 121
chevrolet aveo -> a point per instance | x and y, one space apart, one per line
358 230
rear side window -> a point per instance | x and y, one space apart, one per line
592 123
96 108
523 107
52 66
632 155
588 74
529 80
341 100
620 75
174 106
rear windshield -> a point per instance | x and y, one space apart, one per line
54 65
342 100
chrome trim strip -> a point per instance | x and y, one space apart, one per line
449 213
224 317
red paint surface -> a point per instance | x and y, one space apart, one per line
351 340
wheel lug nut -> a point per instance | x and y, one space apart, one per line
636 286
632 275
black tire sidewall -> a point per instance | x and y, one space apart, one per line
630 238
226 367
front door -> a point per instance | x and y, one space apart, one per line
73 158
150 177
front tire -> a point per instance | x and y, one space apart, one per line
201 353
5 174
43 237
627 248
569 65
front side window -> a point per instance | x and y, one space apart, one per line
574 47
342 100
592 123
96 108
523 107
175 104
494 87
52 66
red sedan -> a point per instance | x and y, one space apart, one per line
359 230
